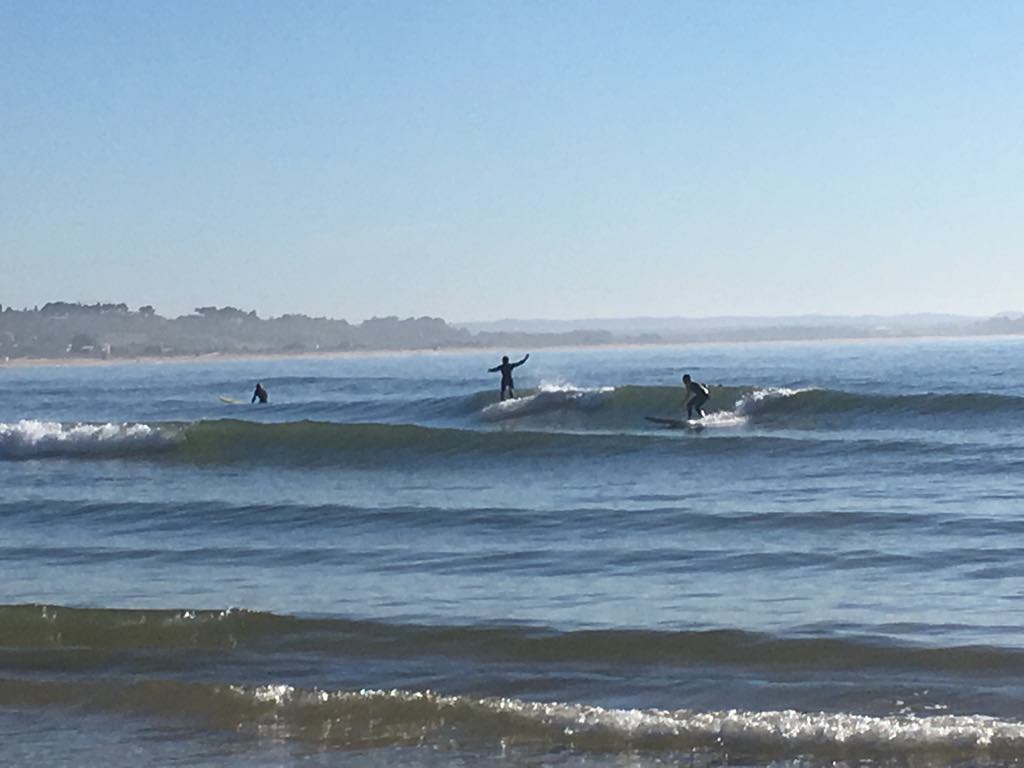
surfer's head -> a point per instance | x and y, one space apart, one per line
504 358
686 378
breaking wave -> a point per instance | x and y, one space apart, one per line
555 419
38 640
30 438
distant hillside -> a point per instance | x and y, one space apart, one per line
63 329
686 326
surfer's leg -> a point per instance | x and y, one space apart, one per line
698 404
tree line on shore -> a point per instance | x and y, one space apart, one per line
105 330
64 329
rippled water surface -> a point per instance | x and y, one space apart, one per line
384 565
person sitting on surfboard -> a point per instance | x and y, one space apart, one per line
506 374
696 395
260 393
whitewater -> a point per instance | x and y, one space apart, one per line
385 565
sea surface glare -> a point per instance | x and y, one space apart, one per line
384 566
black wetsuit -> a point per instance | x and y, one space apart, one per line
260 393
698 395
506 375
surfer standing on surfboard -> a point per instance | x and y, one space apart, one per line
506 374
696 395
260 393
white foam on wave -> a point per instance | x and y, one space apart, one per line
723 419
567 387
786 730
751 401
32 437
549 396
790 728
748 404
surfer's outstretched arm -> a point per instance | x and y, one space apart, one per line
522 361
495 369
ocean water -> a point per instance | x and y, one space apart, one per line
386 566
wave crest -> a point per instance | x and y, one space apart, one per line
381 719
30 438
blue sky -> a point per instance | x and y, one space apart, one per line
480 160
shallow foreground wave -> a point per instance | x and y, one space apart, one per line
177 665
380 719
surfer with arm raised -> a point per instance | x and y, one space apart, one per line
696 394
506 374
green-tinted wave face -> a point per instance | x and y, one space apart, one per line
42 626
25 627
311 444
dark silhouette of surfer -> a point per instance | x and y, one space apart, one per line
506 374
696 395
259 394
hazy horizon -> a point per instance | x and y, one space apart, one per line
808 317
480 160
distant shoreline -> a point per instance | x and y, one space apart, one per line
75 334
